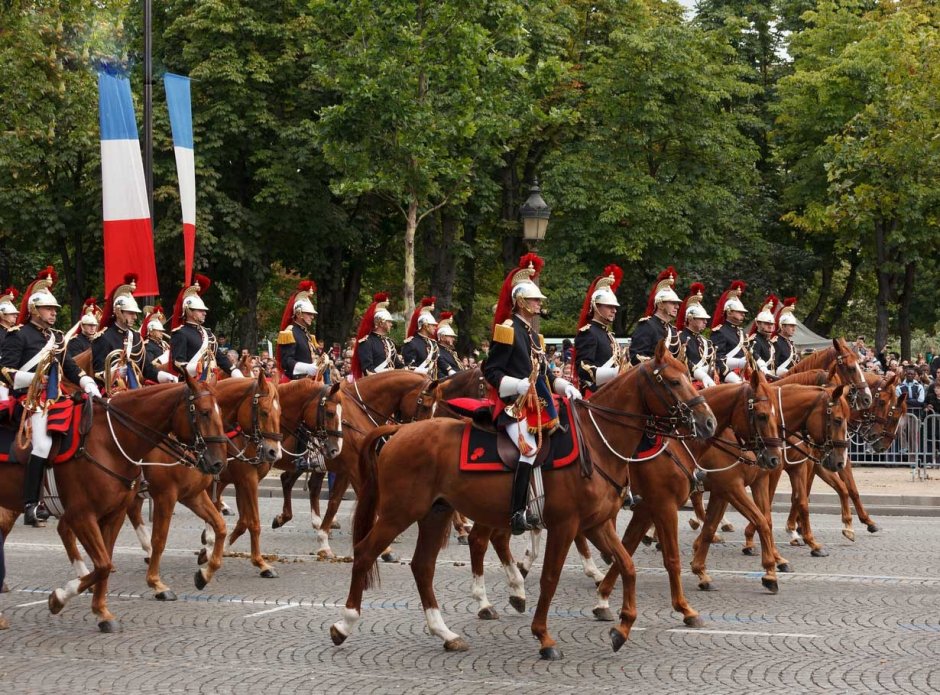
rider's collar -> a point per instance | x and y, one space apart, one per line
523 319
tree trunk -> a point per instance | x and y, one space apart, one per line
463 317
825 327
441 251
825 290
904 313
247 326
884 287
408 285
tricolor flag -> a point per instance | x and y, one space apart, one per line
179 103
128 235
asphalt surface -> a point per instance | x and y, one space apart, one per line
864 619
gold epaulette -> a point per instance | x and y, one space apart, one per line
407 340
173 330
98 334
585 327
15 328
717 328
542 342
645 318
504 333
286 337
362 340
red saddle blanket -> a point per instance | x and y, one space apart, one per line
63 423
478 452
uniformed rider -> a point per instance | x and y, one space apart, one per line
785 353
298 353
759 342
448 363
420 350
728 333
8 312
33 364
596 354
374 351
88 325
699 351
520 381
661 311
193 347
153 332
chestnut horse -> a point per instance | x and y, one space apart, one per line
415 479
815 417
97 484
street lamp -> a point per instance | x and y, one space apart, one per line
534 213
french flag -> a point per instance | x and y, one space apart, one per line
179 104
128 235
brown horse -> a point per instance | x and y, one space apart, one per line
96 486
664 482
416 479
251 414
378 399
815 416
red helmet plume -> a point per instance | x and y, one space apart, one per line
415 315
697 288
530 268
666 278
287 317
736 289
47 277
365 327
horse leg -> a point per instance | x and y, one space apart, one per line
640 521
433 530
605 536
110 528
587 562
322 528
769 480
717 504
531 553
462 527
478 540
135 512
833 480
71 548
203 507
698 511
848 477
737 495
801 500
288 478
246 497
515 580
556 549
760 493
163 504
667 524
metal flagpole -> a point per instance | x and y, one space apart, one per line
148 102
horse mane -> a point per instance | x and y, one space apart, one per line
818 360
806 377
287 390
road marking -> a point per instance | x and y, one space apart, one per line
31 603
700 631
273 610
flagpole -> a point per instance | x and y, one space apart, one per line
148 103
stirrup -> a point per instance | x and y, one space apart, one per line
630 501
522 521
34 514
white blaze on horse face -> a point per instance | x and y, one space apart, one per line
478 591
337 441
345 624
436 625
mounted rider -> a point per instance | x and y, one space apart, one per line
33 364
8 311
420 350
759 340
661 311
299 355
193 347
728 333
785 354
596 354
89 323
520 381
153 333
448 363
699 351
374 351
118 355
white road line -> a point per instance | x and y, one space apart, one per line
31 603
700 631
273 610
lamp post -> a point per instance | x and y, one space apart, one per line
534 213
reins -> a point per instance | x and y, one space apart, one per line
257 435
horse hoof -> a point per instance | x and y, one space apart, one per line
4 623
204 538
56 604
165 595
659 546
487 613
108 627
849 533
277 523
796 541
706 586
873 528
335 526
727 528
337 636
784 567
819 552
203 557
518 603
551 654
693 621
749 550
5 589
389 557
647 540
616 639
694 523
463 540
269 573
327 554
718 538
604 615
522 570
458 644
200 580
770 584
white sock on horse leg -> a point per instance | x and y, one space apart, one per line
478 591
345 624
590 569
143 537
515 581
81 569
436 625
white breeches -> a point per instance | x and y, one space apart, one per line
42 442
513 429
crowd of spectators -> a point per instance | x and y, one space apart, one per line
919 384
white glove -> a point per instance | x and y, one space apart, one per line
22 380
4 392
237 373
120 372
421 370
702 375
735 362
511 386
563 387
732 378
89 386
604 374
302 369
762 365
782 371
166 378
572 393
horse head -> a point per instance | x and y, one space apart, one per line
327 426
827 427
885 415
849 370
260 418
671 394
202 420
763 424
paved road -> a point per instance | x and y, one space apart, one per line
865 619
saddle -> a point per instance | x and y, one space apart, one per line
69 420
483 449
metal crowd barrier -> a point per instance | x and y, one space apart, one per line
917 446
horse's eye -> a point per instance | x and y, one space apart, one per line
762 416
838 421
674 382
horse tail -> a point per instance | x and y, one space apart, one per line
367 497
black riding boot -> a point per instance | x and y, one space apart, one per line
519 520
32 489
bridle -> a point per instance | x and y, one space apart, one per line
756 442
868 419
315 439
825 449
857 385
257 435
426 402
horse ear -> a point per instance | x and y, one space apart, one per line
832 369
756 378
334 388
660 350
190 381
261 379
835 343
838 391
